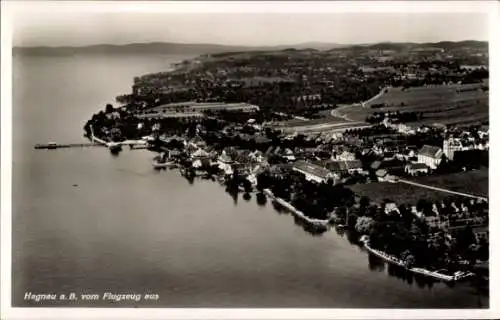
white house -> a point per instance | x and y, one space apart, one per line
430 156
391 207
346 156
416 168
224 159
288 154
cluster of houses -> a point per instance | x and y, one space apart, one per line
341 161
450 217
414 162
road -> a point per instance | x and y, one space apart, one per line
441 189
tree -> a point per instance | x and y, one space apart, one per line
364 225
465 239
364 202
247 185
409 260
109 108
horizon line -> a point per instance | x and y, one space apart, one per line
242 45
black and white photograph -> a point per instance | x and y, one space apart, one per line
246 156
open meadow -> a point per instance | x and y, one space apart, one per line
397 192
472 182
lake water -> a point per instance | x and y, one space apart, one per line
124 228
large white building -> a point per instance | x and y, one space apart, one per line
430 156
192 106
313 172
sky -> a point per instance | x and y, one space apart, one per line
56 25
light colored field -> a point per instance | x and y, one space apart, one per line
440 104
299 123
330 127
419 96
320 125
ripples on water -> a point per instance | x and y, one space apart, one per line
128 228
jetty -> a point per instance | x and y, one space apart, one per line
134 144
53 145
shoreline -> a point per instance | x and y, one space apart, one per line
422 271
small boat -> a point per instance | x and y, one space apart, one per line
160 165
160 162
51 145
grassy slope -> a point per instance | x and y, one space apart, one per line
464 107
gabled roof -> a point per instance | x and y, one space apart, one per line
376 164
262 139
381 173
336 166
225 158
311 168
200 153
269 150
430 151
416 166
197 139
354 164
332 166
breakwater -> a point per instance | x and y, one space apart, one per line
299 214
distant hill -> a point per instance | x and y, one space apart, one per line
134 48
322 46
197 49
161 48
447 45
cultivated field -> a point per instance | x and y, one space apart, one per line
472 182
328 123
445 104
397 192
299 122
